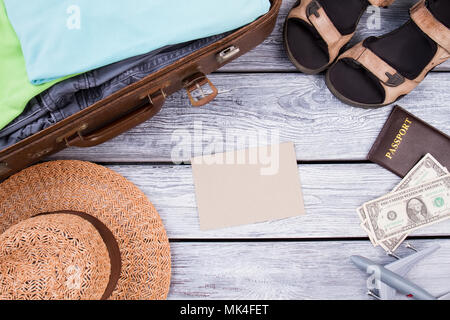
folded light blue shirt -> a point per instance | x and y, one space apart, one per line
65 37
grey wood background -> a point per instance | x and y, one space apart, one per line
300 258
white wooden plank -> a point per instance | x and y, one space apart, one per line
294 270
299 106
271 56
332 193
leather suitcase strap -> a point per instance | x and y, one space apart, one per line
144 113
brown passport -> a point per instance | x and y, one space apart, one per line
405 139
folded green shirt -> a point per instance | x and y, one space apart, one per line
15 88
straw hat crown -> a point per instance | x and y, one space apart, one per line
59 256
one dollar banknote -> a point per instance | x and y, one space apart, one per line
407 210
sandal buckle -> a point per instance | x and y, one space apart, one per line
394 79
313 9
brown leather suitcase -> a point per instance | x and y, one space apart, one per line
141 101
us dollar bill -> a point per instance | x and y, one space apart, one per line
407 210
389 245
428 168
365 226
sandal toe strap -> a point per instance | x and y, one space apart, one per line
429 25
377 66
393 83
320 20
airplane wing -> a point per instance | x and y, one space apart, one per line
445 297
402 267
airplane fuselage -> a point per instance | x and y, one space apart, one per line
392 279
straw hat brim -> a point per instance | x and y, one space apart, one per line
112 199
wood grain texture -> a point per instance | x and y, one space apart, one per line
297 105
299 270
331 192
262 91
267 94
271 56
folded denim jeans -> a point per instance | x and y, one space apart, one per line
75 94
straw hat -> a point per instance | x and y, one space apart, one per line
76 230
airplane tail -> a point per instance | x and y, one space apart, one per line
445 296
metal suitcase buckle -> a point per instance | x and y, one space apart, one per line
200 90
227 54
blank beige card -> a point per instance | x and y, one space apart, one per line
247 186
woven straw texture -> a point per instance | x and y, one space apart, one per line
106 195
52 258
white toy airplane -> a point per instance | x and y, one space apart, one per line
389 279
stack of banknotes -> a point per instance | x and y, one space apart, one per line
422 198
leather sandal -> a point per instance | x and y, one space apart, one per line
315 31
381 70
